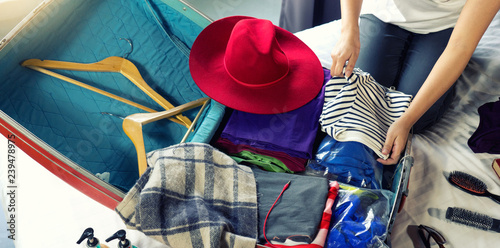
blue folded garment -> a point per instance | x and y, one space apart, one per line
347 162
360 218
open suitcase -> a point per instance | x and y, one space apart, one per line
76 133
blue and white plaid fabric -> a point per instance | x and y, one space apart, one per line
193 195
360 109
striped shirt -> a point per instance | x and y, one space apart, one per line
359 109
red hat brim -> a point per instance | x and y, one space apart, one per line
298 87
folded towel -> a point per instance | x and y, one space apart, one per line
193 195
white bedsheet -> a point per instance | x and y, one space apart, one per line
443 148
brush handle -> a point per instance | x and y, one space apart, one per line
493 196
496 226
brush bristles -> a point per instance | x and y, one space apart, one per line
468 182
469 218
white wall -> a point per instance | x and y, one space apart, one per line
216 9
13 11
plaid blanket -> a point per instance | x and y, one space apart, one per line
193 195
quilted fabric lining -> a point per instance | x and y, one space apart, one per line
69 118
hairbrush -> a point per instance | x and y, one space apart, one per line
471 184
473 219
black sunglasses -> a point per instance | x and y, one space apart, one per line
426 233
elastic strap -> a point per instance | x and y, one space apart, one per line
268 212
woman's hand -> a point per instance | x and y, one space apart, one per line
471 25
395 141
345 50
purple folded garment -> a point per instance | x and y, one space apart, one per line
486 138
292 163
292 132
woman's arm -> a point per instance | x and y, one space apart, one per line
347 48
474 19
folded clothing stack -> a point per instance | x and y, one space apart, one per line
288 136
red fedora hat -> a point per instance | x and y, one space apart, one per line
251 65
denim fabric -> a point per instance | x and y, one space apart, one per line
399 58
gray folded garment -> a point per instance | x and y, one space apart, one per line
297 214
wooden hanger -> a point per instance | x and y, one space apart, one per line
110 64
132 125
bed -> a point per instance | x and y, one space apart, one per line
443 148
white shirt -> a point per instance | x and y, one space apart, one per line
418 16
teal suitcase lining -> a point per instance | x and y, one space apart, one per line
85 126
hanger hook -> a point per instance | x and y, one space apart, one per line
131 48
115 115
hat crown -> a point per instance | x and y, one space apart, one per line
253 55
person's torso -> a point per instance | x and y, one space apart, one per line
418 16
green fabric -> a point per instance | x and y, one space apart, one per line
265 162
